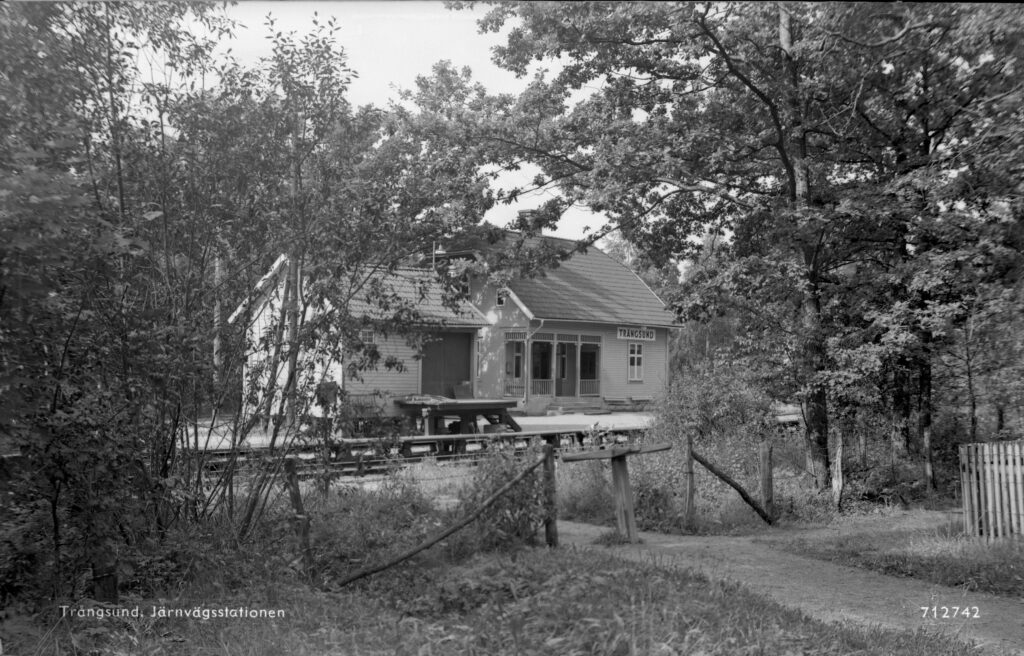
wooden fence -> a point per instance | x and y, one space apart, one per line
992 480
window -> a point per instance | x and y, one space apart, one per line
514 359
367 337
636 361
502 295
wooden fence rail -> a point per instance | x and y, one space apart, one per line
992 480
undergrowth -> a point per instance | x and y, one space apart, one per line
943 555
533 602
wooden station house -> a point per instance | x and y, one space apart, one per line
586 335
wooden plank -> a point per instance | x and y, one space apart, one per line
1004 488
616 451
986 472
1018 471
972 481
1011 486
1015 488
1000 494
1018 477
965 500
624 516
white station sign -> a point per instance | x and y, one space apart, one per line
636 334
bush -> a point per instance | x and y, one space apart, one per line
729 415
585 492
516 517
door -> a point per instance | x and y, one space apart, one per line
446 363
565 369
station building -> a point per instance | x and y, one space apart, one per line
586 334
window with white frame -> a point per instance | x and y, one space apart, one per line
367 337
502 295
636 361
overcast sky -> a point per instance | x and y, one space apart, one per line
390 43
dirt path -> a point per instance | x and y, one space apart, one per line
825 591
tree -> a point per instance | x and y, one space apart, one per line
796 130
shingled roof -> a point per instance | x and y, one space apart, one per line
411 286
419 288
591 286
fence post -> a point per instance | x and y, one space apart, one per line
965 486
689 486
301 518
624 516
550 497
767 483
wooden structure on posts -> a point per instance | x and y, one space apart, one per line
624 515
992 480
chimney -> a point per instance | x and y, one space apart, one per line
526 217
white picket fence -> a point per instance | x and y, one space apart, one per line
992 480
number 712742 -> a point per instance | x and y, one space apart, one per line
950 612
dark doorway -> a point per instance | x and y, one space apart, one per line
590 358
565 369
446 363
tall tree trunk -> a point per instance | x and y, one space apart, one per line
925 420
972 394
218 360
816 404
900 410
291 386
816 411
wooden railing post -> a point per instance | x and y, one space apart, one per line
689 483
550 497
623 494
624 516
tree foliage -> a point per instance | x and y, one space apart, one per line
852 156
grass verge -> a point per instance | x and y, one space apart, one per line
943 555
533 602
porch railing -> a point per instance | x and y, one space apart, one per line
515 388
542 387
590 387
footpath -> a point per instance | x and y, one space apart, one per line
822 590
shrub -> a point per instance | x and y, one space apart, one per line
585 492
516 517
728 414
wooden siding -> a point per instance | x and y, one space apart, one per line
614 360
390 381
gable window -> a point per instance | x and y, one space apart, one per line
635 366
502 295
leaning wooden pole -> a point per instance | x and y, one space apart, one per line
734 485
437 538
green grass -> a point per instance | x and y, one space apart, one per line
533 602
943 555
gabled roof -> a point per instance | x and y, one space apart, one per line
421 289
410 286
592 286
589 286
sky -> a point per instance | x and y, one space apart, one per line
388 45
